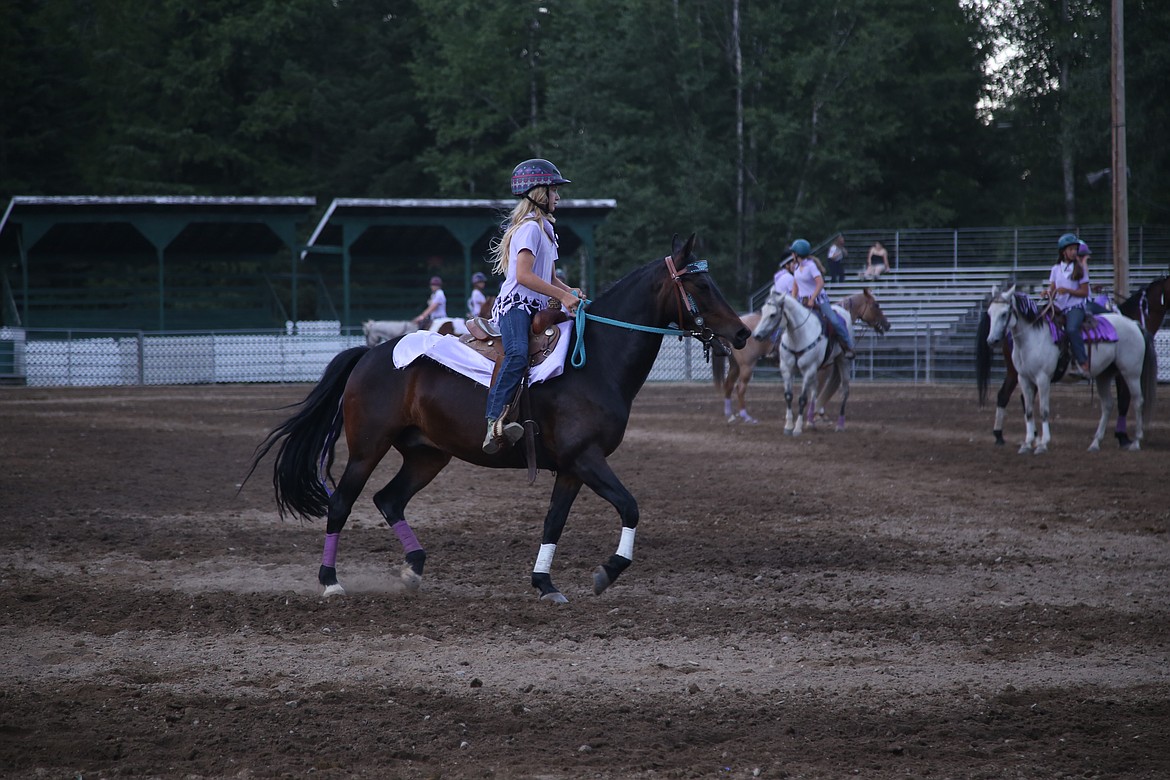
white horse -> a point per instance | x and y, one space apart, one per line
378 331
1035 357
804 345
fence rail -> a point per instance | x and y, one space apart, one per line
87 358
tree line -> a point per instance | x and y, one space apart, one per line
750 122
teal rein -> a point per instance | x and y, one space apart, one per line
578 357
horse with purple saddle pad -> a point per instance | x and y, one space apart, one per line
1095 329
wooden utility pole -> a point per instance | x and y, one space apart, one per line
1120 172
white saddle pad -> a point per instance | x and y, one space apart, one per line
461 358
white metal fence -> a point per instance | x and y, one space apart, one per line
47 358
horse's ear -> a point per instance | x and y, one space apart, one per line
681 252
1010 291
995 291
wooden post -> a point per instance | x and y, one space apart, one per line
1120 197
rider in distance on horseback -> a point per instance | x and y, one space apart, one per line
526 255
1068 287
809 289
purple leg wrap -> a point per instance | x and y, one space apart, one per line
1121 425
329 557
406 536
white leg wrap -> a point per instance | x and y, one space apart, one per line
544 559
626 545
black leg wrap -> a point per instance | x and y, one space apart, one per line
417 560
327 575
998 437
1123 439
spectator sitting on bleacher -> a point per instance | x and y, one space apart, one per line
875 269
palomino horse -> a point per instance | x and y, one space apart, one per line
431 414
804 345
1147 307
861 308
1035 357
733 375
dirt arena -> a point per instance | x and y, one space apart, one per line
900 600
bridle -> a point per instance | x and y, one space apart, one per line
784 316
685 300
866 310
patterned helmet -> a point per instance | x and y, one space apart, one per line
1083 250
801 248
535 173
1068 239
478 277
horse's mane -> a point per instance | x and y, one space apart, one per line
1027 308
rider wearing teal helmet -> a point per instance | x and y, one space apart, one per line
1068 287
809 287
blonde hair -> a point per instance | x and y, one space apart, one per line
499 248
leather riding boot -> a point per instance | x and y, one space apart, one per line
491 445
499 434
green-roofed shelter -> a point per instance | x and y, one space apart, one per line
224 263
428 237
150 262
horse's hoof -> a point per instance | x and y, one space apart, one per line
556 597
1041 450
410 578
333 590
601 580
731 420
751 421
1095 447
840 429
1025 449
1135 447
787 432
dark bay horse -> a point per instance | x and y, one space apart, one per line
1147 306
430 414
732 374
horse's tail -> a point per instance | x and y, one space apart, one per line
1149 378
983 355
305 456
718 369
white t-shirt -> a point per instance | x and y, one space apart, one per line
807 274
782 281
440 311
1060 279
543 246
475 302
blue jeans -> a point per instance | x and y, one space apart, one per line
842 328
1073 319
515 325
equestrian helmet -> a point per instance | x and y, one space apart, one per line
535 173
801 248
1068 239
436 281
478 277
1083 250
